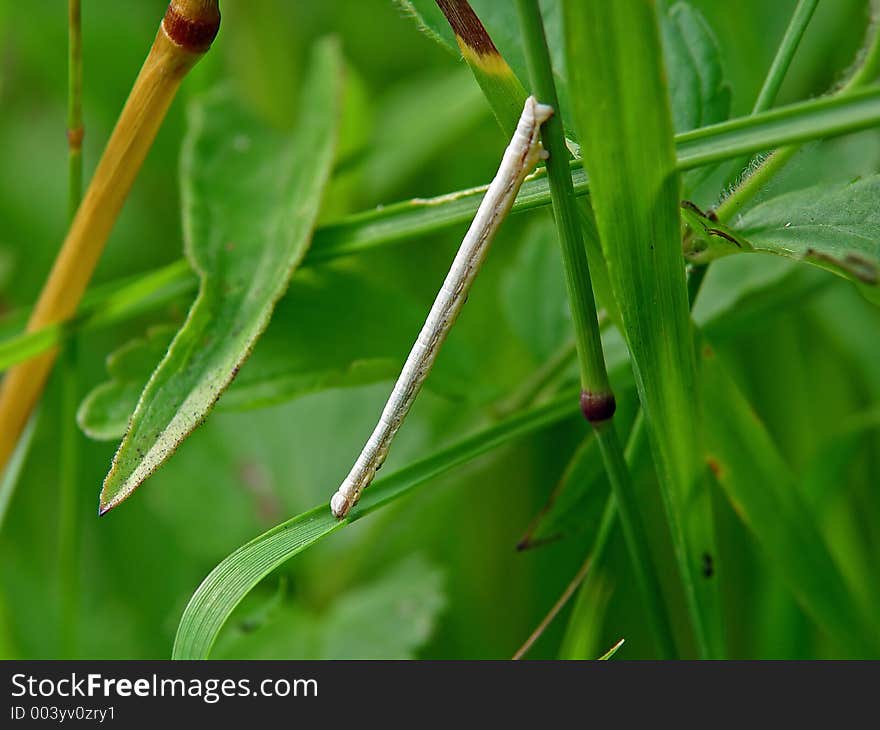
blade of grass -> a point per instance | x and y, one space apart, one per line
184 35
765 495
407 220
597 399
625 128
611 652
236 575
499 83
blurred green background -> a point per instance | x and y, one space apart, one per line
436 576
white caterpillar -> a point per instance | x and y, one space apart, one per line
520 158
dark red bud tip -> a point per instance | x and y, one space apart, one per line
192 25
597 407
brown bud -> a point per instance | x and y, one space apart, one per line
192 24
597 407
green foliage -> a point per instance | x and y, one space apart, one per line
250 200
784 408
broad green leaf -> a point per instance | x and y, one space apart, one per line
418 119
699 94
766 496
390 617
250 199
532 298
625 127
104 413
236 575
835 227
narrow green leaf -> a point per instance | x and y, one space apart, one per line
800 122
766 496
611 652
625 127
576 503
835 227
250 198
499 83
236 575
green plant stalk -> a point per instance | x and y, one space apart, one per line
635 453
781 62
624 123
68 532
784 54
74 107
757 179
597 399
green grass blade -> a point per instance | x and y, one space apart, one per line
251 199
767 497
234 577
407 220
625 128
499 83
802 122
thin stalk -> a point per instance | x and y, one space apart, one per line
74 108
784 54
636 447
555 609
184 35
68 462
68 529
597 399
755 180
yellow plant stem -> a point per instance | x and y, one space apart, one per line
185 34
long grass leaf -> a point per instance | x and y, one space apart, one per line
625 127
235 576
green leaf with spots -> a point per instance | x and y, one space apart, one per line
250 201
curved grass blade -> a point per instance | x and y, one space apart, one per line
611 652
251 198
235 576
